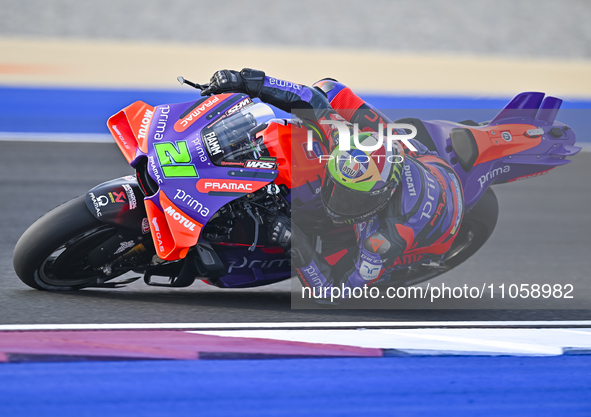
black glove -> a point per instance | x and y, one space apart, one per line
280 231
247 81
288 236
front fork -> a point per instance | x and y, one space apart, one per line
119 203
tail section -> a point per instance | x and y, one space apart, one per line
523 105
532 107
549 109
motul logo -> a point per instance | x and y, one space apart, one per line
180 218
227 186
260 164
197 112
145 124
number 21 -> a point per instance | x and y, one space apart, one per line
175 160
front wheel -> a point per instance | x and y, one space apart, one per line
53 253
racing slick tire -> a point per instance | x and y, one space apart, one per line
52 253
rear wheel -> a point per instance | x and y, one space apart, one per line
477 226
53 253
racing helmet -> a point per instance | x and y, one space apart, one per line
358 183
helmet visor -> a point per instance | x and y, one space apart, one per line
346 202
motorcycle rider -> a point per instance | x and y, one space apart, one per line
402 212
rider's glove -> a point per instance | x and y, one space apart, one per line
247 81
280 231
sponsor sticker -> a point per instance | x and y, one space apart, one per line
184 221
102 200
195 114
117 197
369 271
200 151
130 196
238 106
232 163
191 202
95 204
162 121
145 226
260 164
124 246
212 142
410 186
285 84
316 151
352 166
121 137
145 124
235 186
492 174
155 171
407 259
157 234
257 263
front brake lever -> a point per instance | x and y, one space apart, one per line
256 227
182 80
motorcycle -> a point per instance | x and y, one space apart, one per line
213 173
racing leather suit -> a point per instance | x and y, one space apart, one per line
418 224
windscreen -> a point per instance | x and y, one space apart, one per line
227 140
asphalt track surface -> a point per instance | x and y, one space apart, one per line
543 236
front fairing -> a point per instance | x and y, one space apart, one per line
118 202
191 189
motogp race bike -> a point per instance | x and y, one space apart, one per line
212 174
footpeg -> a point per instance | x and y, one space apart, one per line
435 264
179 281
118 284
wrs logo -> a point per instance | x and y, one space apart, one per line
238 106
260 164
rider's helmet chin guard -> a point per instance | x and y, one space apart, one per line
359 183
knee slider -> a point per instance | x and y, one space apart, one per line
329 87
325 85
